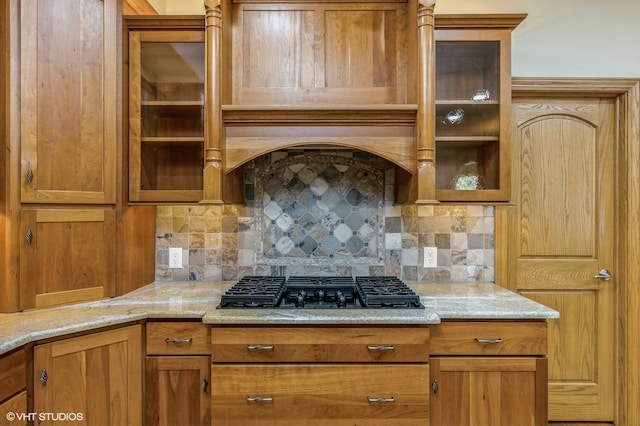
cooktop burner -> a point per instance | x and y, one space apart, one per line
320 292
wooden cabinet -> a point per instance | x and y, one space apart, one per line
473 107
68 101
489 373
97 375
311 375
67 256
60 153
166 108
177 374
13 392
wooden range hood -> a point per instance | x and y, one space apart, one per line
308 74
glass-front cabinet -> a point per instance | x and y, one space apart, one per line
166 114
472 110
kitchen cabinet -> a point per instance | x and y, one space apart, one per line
310 375
166 108
68 101
489 373
13 393
177 374
98 376
473 107
67 233
67 255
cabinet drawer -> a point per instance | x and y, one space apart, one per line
320 344
489 338
315 394
13 373
178 338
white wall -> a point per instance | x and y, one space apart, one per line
559 38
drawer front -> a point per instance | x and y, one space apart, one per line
178 338
489 338
319 344
316 394
13 373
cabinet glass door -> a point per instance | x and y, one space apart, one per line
167 116
471 162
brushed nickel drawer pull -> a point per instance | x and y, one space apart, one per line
382 399
178 341
260 347
488 341
259 399
380 347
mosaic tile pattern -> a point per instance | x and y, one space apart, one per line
319 209
227 242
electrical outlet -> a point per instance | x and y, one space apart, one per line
175 257
431 257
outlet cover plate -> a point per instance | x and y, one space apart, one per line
175 257
431 257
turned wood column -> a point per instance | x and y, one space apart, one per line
425 121
213 172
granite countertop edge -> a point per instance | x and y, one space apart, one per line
199 300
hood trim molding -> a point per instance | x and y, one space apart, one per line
387 131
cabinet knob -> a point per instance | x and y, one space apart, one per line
205 385
29 236
29 176
44 377
434 386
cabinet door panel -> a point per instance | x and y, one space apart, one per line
71 256
98 376
175 392
487 391
68 100
15 406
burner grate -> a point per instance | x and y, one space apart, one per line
320 292
386 292
254 292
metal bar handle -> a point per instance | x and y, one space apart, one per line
260 347
488 341
178 341
382 399
380 347
259 399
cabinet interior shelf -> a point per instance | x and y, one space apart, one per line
467 102
160 140
172 103
467 139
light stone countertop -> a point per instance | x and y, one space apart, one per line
200 299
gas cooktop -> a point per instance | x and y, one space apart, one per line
320 292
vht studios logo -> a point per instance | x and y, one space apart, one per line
42 417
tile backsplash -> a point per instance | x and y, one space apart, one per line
324 213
